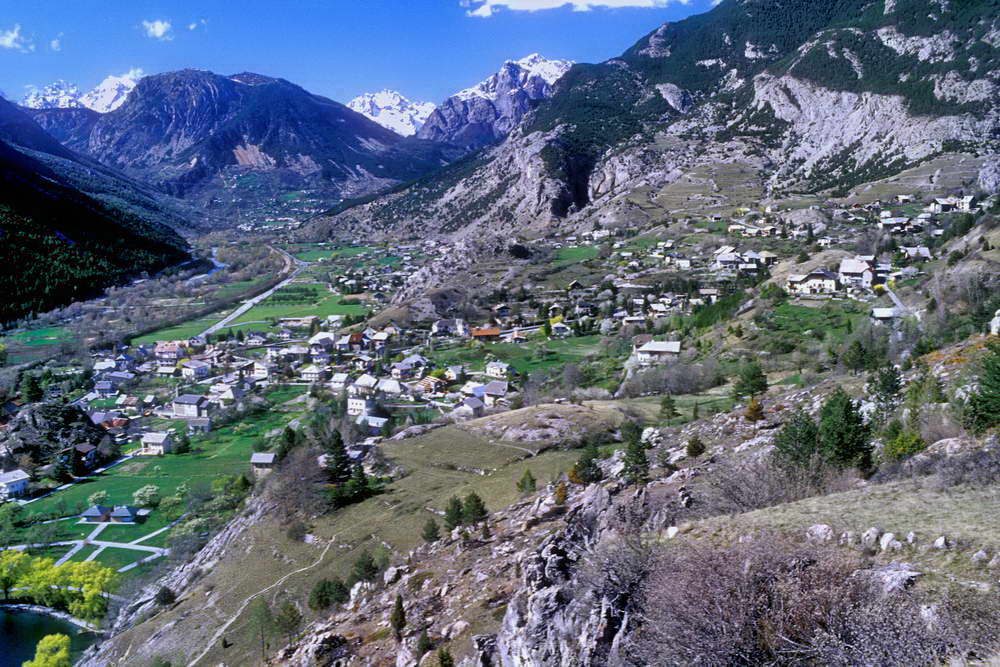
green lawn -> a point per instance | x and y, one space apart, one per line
567 256
329 305
181 331
523 357
118 558
222 452
46 336
311 253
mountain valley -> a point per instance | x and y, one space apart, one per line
689 356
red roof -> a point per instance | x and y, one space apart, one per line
494 331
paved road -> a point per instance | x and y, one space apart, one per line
291 264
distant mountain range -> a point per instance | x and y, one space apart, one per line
393 111
106 96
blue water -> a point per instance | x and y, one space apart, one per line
20 632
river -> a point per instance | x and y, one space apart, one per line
20 631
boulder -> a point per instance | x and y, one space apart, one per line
911 538
454 629
392 574
893 577
819 532
848 538
886 541
870 537
980 557
942 543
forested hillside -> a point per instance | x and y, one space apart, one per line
61 245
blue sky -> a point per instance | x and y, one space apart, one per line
426 49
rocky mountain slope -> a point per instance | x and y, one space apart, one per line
393 111
487 112
813 96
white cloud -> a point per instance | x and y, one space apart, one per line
158 29
13 39
56 44
194 25
486 8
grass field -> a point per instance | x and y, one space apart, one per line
523 357
34 344
181 331
567 256
328 305
311 253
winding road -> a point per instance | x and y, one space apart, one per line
291 264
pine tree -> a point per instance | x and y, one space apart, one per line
586 470
338 463
668 408
798 440
695 412
855 357
636 469
31 388
843 435
445 659
424 644
750 381
365 568
755 410
527 483
884 385
473 510
559 495
431 531
630 430
982 411
453 514
397 619
695 447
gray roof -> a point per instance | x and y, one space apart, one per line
265 458
189 399
13 476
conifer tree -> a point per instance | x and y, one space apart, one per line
397 619
527 483
668 408
586 470
431 531
636 469
982 411
798 440
843 434
453 514
473 510
750 381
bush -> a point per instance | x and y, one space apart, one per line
328 592
904 445
297 531
771 601
695 447
165 596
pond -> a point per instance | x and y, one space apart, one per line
20 631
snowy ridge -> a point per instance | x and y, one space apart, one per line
523 71
393 111
107 96
57 95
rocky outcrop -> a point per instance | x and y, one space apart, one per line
41 430
552 619
989 174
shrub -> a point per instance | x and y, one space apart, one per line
165 596
695 447
772 601
297 531
903 445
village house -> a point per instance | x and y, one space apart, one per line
884 315
486 333
856 273
156 443
359 405
195 370
169 352
313 373
262 463
470 408
14 484
494 392
819 281
454 373
655 352
190 405
497 369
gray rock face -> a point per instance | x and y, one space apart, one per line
989 174
893 577
41 430
486 113
550 620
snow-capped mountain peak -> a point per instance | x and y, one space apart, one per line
533 73
111 93
393 111
57 95
107 96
